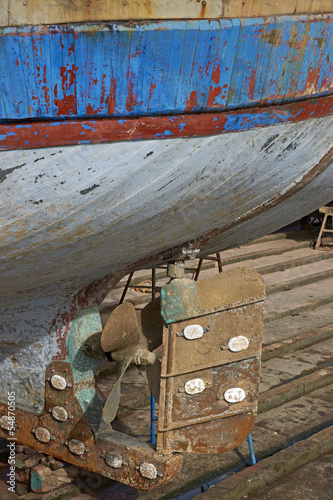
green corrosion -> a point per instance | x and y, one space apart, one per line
179 300
86 323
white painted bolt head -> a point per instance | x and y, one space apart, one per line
148 470
237 344
195 386
58 382
193 332
234 395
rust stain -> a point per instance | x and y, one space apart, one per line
111 99
273 37
103 89
91 111
191 101
66 106
151 89
202 14
45 88
148 5
132 98
71 49
216 90
252 82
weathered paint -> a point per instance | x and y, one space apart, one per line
57 201
171 67
57 133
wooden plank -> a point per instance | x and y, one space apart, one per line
4 13
257 8
22 12
56 11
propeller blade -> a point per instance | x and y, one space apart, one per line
121 329
152 375
151 325
112 403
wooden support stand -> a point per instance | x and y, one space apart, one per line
328 211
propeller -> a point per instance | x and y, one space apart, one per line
131 337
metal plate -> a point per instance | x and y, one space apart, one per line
212 349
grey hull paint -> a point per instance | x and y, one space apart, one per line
70 216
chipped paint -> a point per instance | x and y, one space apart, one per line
129 69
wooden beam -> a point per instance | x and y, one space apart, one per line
25 12
80 131
72 11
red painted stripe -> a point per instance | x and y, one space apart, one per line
59 133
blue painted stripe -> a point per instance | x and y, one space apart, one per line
163 67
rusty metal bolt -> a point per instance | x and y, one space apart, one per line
59 413
114 461
58 382
76 446
204 4
42 434
148 470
